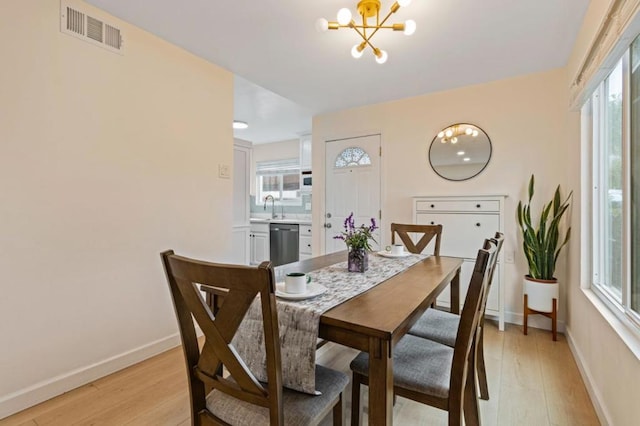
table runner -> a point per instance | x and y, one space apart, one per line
299 321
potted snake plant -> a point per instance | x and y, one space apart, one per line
541 245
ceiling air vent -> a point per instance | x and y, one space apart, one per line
89 28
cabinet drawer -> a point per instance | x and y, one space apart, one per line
458 206
260 227
462 233
305 244
305 230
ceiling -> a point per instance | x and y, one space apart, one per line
287 71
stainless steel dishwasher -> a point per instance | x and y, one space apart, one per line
283 243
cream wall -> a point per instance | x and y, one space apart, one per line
105 161
610 368
525 119
276 150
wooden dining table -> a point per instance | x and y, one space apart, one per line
376 320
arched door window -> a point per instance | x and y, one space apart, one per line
352 157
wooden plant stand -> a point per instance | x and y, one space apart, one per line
553 315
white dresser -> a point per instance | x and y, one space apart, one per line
466 222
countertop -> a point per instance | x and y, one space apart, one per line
285 220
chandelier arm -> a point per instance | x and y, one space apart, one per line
364 26
368 26
380 25
366 39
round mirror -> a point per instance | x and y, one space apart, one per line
460 151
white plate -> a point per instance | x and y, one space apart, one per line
384 253
313 290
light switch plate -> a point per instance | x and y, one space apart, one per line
509 256
223 171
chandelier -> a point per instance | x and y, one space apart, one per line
451 133
368 9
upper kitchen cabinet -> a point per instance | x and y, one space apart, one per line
241 181
305 152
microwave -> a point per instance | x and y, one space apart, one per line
306 180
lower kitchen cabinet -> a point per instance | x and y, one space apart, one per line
305 242
259 243
240 242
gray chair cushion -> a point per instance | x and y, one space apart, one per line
299 408
419 365
439 326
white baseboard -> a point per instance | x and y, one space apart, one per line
587 378
47 389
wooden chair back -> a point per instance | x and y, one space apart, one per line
462 364
497 240
427 231
239 285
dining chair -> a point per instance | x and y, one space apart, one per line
233 395
427 231
442 327
430 372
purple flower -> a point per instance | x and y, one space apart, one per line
357 237
347 221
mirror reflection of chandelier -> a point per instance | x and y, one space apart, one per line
368 9
450 134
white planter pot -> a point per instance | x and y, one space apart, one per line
540 293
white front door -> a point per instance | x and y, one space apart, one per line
352 185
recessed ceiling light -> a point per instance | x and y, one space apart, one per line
460 152
466 159
240 124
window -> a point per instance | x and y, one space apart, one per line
353 156
280 179
615 117
607 180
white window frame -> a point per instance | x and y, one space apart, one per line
279 168
621 308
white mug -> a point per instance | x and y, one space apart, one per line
295 282
397 249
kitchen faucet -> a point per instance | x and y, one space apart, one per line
273 205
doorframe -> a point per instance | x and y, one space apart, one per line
319 204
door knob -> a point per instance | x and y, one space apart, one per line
328 215
327 225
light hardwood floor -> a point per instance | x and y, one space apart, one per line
532 381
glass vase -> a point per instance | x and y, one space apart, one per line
358 260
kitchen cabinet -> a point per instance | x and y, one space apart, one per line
466 222
259 243
241 251
242 152
305 152
240 243
305 242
